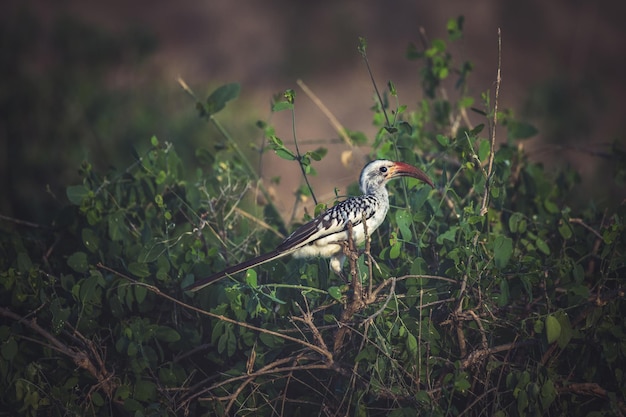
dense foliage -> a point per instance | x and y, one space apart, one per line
485 296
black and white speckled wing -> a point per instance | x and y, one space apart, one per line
332 221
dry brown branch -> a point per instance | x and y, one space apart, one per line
484 208
356 303
592 389
307 318
480 354
586 226
479 323
324 353
275 367
372 298
90 362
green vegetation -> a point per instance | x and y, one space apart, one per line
486 296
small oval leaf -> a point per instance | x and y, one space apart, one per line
553 328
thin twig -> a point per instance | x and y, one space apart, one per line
484 209
80 358
363 52
299 155
392 290
341 131
586 226
328 355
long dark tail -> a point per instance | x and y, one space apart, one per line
231 270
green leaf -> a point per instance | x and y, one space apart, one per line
97 399
140 293
290 96
117 228
357 138
394 252
515 223
131 404
362 48
422 397
542 246
269 340
222 342
218 98
503 299
76 193
520 130
122 392
251 278
455 28
285 153
483 150
320 208
167 334
145 390
24 264
411 344
553 328
566 333
449 235
138 269
318 154
9 349
335 292
443 140
205 157
565 230
548 394
461 383
503 249
404 219
551 207
78 262
90 239
281 105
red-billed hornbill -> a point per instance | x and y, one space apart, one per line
323 236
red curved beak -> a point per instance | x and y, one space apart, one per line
400 169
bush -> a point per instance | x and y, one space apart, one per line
485 296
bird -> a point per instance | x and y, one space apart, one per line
324 235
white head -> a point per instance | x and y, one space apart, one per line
376 174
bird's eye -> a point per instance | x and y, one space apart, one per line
383 169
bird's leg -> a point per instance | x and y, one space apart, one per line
336 263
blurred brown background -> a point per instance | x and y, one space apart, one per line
94 80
